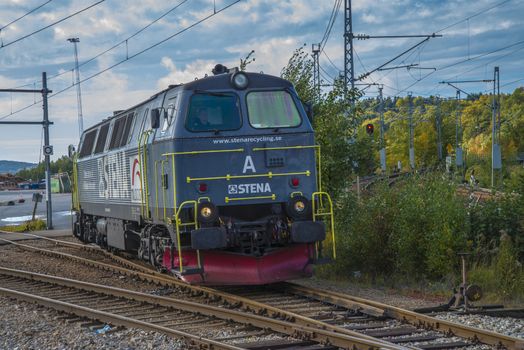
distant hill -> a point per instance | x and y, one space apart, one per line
12 167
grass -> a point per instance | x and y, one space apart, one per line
32 225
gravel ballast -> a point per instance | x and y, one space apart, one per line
28 326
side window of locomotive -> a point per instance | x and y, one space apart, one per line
87 145
130 120
272 109
213 112
102 137
118 130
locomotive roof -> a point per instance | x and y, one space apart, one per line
213 82
222 81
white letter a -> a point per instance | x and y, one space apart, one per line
248 165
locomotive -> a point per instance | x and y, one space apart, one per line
216 181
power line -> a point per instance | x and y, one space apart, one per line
331 22
27 14
447 27
52 24
216 12
460 62
473 16
489 62
123 41
114 46
330 61
325 72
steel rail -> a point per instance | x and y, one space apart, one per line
114 319
414 318
365 306
285 327
152 276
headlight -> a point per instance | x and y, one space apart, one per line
239 80
298 207
207 213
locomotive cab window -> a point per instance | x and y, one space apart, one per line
213 112
88 143
272 109
170 115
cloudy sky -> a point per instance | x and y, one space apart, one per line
477 35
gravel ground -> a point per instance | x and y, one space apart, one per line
383 295
513 327
28 326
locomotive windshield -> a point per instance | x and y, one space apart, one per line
272 109
213 112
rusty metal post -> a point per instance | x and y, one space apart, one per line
464 280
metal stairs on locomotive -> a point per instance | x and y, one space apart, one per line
156 191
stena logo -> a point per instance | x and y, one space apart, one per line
249 188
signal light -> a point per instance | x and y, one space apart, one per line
202 187
295 182
370 128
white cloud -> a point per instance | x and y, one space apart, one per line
196 69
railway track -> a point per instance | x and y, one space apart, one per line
334 312
190 321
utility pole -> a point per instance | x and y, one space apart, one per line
382 142
411 134
47 148
349 67
47 153
438 119
75 41
459 159
316 69
496 162
496 159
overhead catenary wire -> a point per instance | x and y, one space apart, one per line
52 24
474 15
122 41
26 14
331 22
66 71
194 24
330 61
460 62
487 9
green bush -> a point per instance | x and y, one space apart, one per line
503 278
414 229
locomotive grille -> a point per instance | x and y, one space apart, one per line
275 162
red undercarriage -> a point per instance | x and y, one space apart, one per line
226 268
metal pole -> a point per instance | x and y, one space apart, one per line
47 156
349 67
382 142
316 69
411 135
458 139
464 281
493 128
439 131
499 107
78 91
